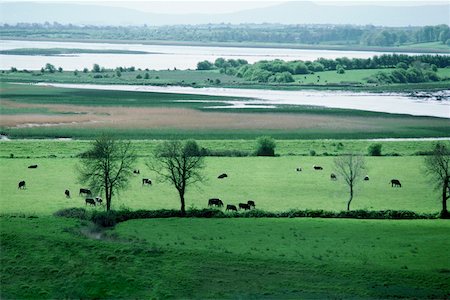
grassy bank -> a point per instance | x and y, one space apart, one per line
51 257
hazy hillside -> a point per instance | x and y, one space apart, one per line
287 13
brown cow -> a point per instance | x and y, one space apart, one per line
221 176
317 167
91 201
244 206
251 203
395 183
215 202
67 193
21 184
333 176
231 207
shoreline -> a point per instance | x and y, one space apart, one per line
239 45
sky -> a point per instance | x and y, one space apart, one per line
218 6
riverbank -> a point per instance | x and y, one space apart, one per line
408 48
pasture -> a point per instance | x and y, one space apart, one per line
49 257
273 183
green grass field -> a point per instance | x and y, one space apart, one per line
49 257
272 183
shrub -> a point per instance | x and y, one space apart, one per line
73 212
312 152
375 149
266 146
104 219
138 76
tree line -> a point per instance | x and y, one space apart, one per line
418 68
367 35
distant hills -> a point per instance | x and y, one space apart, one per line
293 12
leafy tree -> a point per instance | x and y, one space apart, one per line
107 166
147 76
96 68
75 72
50 68
350 167
60 69
85 70
265 146
179 163
118 73
138 76
340 69
402 65
375 149
437 167
205 65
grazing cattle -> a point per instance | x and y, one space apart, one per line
231 207
251 203
244 206
317 167
221 176
395 183
21 184
32 167
67 193
146 181
98 200
137 172
91 201
333 176
299 169
366 178
215 202
85 191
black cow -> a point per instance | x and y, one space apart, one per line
85 191
333 176
244 206
21 184
91 201
251 203
231 207
317 167
299 169
215 202
146 181
221 176
32 167
67 193
395 183
366 178
98 200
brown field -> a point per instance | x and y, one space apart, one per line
126 117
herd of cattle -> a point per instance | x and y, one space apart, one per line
93 201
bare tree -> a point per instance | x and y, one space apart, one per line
350 167
179 163
107 166
437 165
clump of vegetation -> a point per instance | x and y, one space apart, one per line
265 146
375 149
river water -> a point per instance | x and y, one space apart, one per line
162 57
398 103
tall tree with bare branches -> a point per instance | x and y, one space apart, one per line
350 167
437 167
179 163
107 166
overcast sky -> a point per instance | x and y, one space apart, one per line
219 6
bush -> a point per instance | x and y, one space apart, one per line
375 149
266 146
73 212
312 152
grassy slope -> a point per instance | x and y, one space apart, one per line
272 183
49 258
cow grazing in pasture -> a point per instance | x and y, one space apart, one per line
395 183
231 207
366 178
146 181
137 172
90 201
85 191
215 202
244 206
221 176
32 167
299 169
21 184
333 176
251 203
99 200
67 193
317 167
